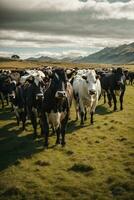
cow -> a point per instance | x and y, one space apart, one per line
131 78
31 92
87 90
18 104
7 85
114 83
56 105
24 99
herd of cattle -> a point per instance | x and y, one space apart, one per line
46 95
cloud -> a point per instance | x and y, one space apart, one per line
66 24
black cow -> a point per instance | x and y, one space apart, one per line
7 86
112 82
19 106
30 96
56 105
131 78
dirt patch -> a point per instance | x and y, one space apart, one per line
81 168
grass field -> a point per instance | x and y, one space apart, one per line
96 164
33 64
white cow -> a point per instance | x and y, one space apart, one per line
87 90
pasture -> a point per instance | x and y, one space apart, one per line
23 64
97 162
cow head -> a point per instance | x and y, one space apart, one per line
59 81
91 80
119 78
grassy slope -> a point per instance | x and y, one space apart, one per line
33 64
96 164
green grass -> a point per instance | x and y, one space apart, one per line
96 164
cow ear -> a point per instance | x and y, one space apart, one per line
84 77
97 76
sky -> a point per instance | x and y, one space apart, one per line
64 28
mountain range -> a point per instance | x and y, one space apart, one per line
112 55
123 54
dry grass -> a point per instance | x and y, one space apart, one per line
33 64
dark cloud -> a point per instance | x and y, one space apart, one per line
65 23
81 21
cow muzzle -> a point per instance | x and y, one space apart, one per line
39 96
11 96
60 94
92 92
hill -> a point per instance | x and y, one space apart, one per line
42 58
112 55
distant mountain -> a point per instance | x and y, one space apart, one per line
112 55
69 59
109 55
42 58
50 59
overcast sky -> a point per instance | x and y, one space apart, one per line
61 28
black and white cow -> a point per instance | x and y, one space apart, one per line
24 99
31 91
56 106
114 84
18 103
7 85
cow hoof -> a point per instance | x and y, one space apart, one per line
82 123
18 123
46 145
34 136
63 144
110 105
57 142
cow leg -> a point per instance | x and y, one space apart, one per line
104 97
18 120
63 130
2 102
23 119
114 100
58 135
109 98
76 105
121 101
17 114
34 122
85 115
82 111
7 101
45 128
82 117
91 119
76 109
2 99
53 130
77 113
41 126
63 137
